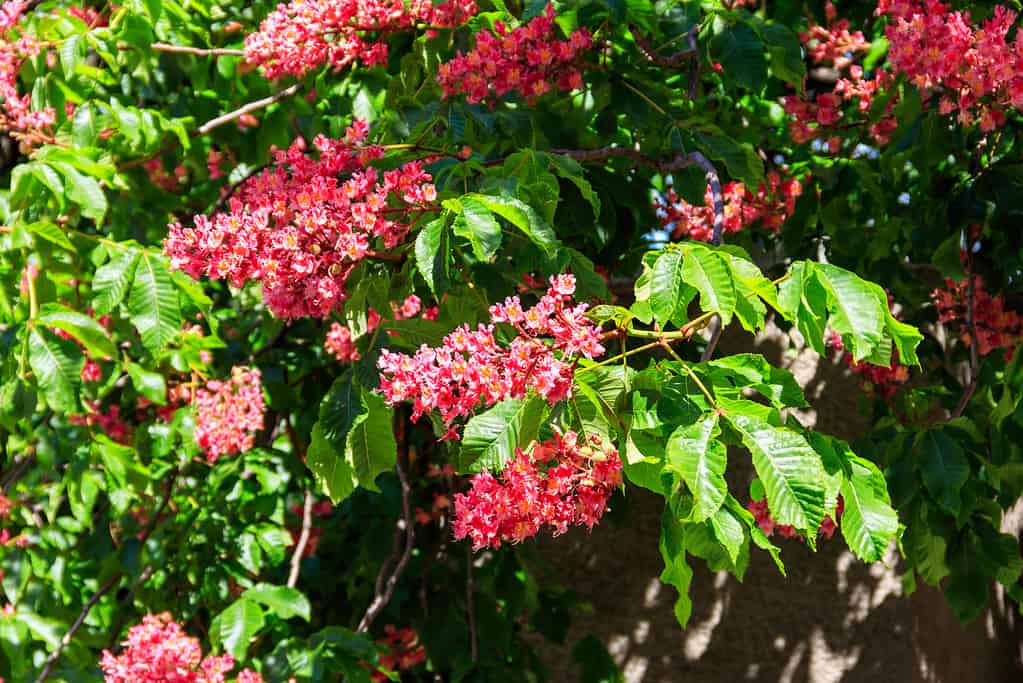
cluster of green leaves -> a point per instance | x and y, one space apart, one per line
212 544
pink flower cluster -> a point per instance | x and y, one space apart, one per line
228 414
471 368
159 651
996 327
561 482
16 114
973 70
768 525
109 421
771 206
835 46
527 59
402 651
882 380
300 230
304 34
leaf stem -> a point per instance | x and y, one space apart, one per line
689 371
620 356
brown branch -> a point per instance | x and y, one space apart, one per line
303 539
66 640
673 61
198 51
111 582
250 107
384 589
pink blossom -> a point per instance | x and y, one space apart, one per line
559 483
228 414
472 369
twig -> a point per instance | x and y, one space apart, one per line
469 590
250 107
198 51
971 326
673 61
66 640
384 590
111 582
715 336
303 539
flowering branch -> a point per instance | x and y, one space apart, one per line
303 539
406 524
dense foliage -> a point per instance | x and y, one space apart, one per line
311 316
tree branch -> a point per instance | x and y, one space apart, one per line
384 589
250 107
110 583
303 539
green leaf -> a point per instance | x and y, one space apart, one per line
51 233
677 571
153 303
740 158
869 523
572 171
522 216
785 54
236 626
751 370
669 294
741 54
110 284
729 533
708 272
477 224
372 448
944 468
149 384
86 330
696 454
790 470
431 252
85 191
71 54
57 365
758 537
333 473
339 409
854 310
491 437
283 601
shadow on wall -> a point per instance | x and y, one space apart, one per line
833 619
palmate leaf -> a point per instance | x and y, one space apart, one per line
478 225
153 303
431 252
789 468
696 454
353 441
819 296
669 294
57 365
371 446
491 437
869 523
709 272
522 216
112 279
677 572
236 626
80 326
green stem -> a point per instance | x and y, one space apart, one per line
620 356
689 371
